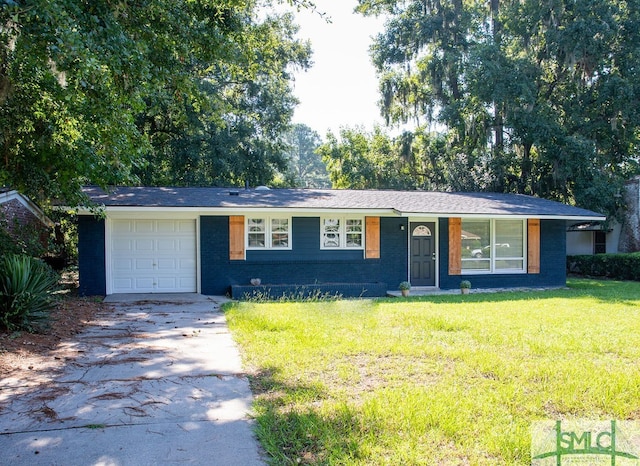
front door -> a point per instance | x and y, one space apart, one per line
423 254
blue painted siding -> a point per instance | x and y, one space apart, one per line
91 256
305 263
552 262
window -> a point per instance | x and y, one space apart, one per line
342 232
271 233
493 246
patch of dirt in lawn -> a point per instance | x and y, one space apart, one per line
27 356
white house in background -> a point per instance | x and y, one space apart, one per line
593 238
587 238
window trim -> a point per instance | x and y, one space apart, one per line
268 232
492 260
342 231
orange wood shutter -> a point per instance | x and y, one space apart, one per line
236 237
533 245
372 232
455 246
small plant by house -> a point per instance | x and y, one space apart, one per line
404 288
26 292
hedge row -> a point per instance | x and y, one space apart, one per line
615 266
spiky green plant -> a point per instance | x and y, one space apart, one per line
26 292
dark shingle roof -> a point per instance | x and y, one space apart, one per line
415 202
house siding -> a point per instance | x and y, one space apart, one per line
305 263
91 256
552 262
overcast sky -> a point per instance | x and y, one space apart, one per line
341 89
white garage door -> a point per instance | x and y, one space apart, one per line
153 256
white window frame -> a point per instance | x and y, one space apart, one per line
342 232
493 259
268 232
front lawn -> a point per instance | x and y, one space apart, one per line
438 380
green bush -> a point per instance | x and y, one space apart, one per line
26 292
615 266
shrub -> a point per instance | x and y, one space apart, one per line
26 292
615 266
404 286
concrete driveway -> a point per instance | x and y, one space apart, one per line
158 381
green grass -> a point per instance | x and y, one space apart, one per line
441 379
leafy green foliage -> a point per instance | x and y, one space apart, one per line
305 165
157 91
542 97
26 292
614 266
361 160
420 159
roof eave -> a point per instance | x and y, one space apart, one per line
328 210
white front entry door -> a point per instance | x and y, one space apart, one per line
153 256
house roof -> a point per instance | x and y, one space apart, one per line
402 203
8 195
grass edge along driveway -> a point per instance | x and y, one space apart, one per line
438 379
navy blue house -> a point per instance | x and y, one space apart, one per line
216 241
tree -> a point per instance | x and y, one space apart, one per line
233 131
542 94
109 92
305 164
361 160
412 160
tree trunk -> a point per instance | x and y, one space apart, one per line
525 170
630 233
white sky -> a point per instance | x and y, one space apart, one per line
341 88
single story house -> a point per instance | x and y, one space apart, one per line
214 241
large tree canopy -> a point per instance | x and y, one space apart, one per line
543 94
109 91
306 168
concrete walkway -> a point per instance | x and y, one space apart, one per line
158 380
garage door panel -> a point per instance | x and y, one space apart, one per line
123 265
144 283
144 245
146 265
144 226
186 244
187 227
153 256
166 226
168 245
187 264
123 226
123 245
124 285
167 283
168 264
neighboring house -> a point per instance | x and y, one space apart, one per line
595 238
22 219
586 238
215 240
